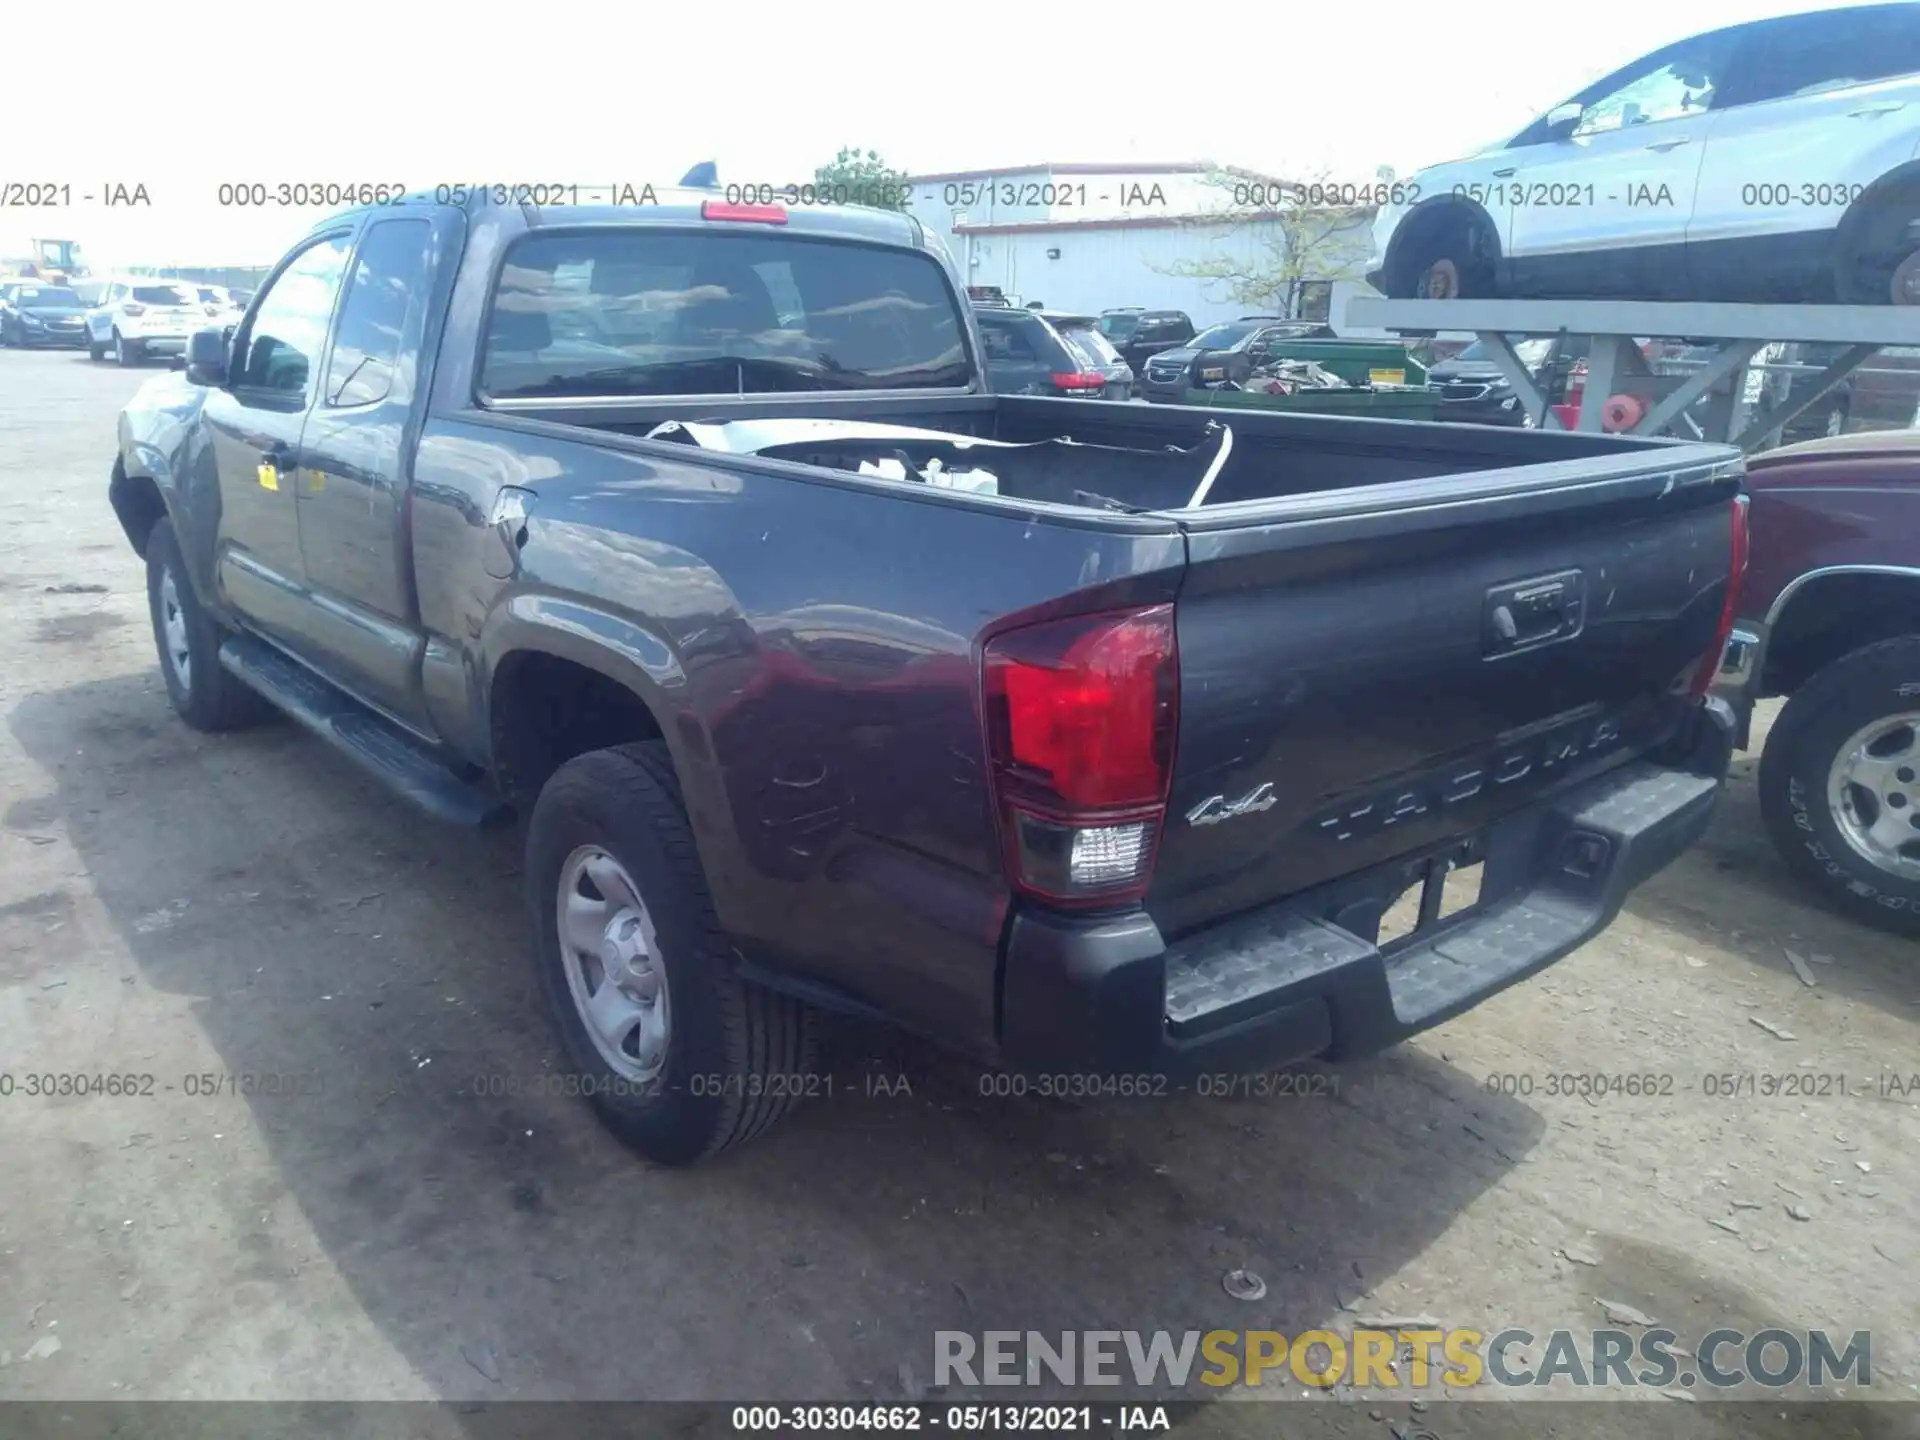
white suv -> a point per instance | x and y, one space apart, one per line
136 318
1772 161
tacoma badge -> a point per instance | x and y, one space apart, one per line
1216 808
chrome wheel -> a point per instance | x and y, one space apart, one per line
1872 790
173 631
611 955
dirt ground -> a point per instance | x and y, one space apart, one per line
176 905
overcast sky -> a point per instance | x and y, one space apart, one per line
592 92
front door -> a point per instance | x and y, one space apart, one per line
364 621
1604 211
254 424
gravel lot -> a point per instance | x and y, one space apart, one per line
179 905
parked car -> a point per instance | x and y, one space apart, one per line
1777 160
1830 618
33 313
1083 337
1475 391
1028 353
1039 752
1781 373
137 318
1140 334
221 304
1222 353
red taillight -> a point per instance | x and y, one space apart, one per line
1078 382
1737 571
132 309
1080 722
729 210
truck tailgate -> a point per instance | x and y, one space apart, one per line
1372 672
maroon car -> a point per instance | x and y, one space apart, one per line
1830 616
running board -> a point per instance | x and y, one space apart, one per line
370 740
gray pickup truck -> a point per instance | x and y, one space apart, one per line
1083 739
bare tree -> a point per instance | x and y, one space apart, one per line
1316 230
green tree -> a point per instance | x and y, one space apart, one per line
865 179
1308 238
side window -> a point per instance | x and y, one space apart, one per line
1808 54
290 323
1670 85
388 273
1006 342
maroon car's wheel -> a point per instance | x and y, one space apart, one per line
1840 783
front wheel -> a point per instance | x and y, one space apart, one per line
1840 784
203 693
95 350
679 1055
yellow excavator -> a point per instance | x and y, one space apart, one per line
58 262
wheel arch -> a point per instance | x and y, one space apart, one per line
1827 613
1901 179
138 504
1429 218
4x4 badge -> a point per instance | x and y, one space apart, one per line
1216 808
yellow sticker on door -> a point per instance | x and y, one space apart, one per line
269 477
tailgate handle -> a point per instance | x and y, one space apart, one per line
1529 613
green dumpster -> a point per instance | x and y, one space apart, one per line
1358 362
1382 403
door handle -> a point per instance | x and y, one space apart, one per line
1503 174
1674 144
1886 109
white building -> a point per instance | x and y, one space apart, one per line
1090 237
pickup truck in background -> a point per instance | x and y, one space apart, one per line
1079 738
1830 618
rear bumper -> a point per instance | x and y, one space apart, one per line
1108 996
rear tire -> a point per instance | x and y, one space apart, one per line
1816 809
701 1059
127 353
203 692
1881 265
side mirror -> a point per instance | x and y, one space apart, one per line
207 357
1562 119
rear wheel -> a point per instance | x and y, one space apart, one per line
679 1055
1840 783
126 352
1881 264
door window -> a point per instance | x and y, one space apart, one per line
1808 54
282 346
1006 344
388 273
1670 85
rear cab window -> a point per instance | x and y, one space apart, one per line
648 312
